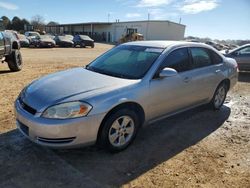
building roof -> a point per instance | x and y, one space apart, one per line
151 21
85 23
110 23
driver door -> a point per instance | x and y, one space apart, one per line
171 94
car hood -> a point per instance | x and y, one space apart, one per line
64 86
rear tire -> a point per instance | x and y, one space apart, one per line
219 96
119 130
15 61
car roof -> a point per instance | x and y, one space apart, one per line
243 46
165 44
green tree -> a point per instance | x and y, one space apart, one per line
25 22
6 22
53 23
17 24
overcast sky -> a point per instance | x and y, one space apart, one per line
220 19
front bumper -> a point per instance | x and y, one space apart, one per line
58 133
47 45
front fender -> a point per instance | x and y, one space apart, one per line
106 102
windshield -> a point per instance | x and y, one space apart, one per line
63 38
126 61
33 34
69 37
85 37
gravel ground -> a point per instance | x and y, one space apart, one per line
198 148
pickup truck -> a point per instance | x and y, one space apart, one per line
10 51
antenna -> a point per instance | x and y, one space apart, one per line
180 21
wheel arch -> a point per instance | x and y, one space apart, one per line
126 105
227 82
15 45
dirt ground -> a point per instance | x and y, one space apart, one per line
198 148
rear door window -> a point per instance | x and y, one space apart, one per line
200 57
215 57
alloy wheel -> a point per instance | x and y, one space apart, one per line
219 97
121 131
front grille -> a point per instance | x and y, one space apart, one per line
27 107
24 128
56 140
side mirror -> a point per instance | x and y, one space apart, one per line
167 72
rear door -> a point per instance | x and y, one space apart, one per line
206 73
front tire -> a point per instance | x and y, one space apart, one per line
15 61
82 45
119 130
219 96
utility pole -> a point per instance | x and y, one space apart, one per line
148 16
108 17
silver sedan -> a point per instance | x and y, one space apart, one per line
242 56
133 84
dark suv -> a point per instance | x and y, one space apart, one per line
83 41
9 51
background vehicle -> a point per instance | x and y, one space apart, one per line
64 41
31 34
132 84
24 42
14 33
214 44
83 41
9 51
44 41
131 37
70 37
241 55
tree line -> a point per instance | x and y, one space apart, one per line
37 22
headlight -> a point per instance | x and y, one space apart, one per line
67 110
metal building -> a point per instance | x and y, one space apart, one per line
112 32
